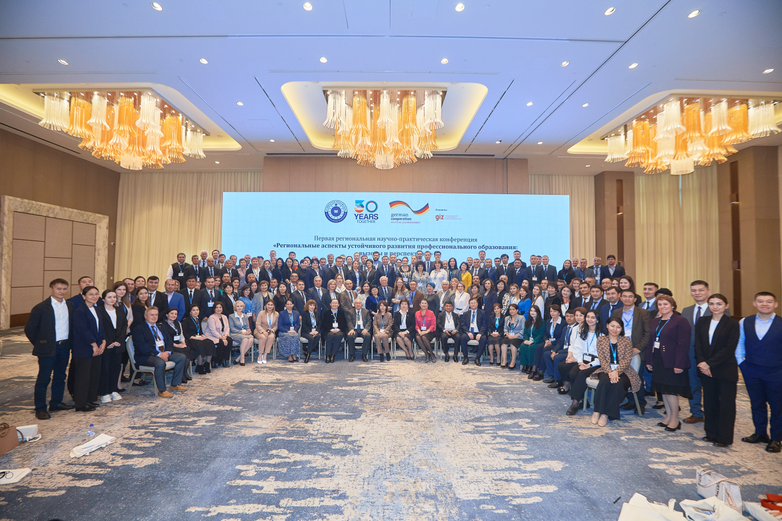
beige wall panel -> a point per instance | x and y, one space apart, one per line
84 233
83 262
23 299
53 264
26 263
59 236
49 276
29 227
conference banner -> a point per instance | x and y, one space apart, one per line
457 225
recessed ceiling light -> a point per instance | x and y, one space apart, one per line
459 7
610 11
540 142
498 141
767 71
529 103
307 6
203 60
217 162
323 59
156 6
240 103
63 62
633 65
565 63
585 105
588 166
694 13
444 61
271 141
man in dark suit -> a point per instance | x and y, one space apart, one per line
554 328
338 269
596 301
614 303
636 323
386 270
316 293
193 271
359 324
177 269
299 297
650 298
77 299
473 327
448 327
516 274
491 271
357 276
477 270
548 272
157 298
503 268
210 271
596 270
581 298
190 293
209 295
306 273
384 291
153 347
415 296
534 274
613 270
230 269
49 330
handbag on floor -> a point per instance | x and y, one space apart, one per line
8 438
714 484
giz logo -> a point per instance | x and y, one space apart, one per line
439 217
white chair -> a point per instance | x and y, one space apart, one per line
635 363
148 369
359 342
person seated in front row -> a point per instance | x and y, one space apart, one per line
495 331
404 328
552 330
591 330
359 323
425 328
514 329
201 347
289 324
153 347
383 323
266 330
333 327
218 331
448 324
310 328
615 375
173 327
556 348
239 323
574 347
473 328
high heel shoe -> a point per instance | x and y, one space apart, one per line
208 367
662 424
674 429
512 367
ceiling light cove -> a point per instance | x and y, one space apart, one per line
307 6
204 61
156 6
63 62
444 61
323 59
459 7
610 11
632 66
694 13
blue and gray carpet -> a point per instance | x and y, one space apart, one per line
398 440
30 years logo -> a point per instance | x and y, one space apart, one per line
365 213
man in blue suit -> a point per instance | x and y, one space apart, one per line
491 271
614 303
473 327
316 293
613 270
175 300
548 272
154 347
385 269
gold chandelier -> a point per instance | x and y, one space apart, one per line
384 128
131 128
685 131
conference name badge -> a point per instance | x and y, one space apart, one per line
159 343
178 338
614 366
657 345
210 304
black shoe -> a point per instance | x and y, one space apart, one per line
504 365
562 390
530 375
512 367
674 429
709 439
538 377
42 415
388 357
207 368
573 409
447 357
306 358
240 363
721 445
364 358
124 379
60 407
225 363
658 405
95 404
382 357
121 390
477 362
774 446
236 360
352 358
627 407
466 360
756 438
554 385
213 364
455 358
86 408
548 381
434 359
662 424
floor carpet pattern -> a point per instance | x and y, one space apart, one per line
396 440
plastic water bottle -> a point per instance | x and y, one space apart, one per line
91 432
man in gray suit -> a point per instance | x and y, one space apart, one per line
595 271
636 323
359 325
347 297
699 290
446 294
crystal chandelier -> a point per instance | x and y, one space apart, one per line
384 128
131 128
686 131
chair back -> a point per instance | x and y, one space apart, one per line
635 362
131 351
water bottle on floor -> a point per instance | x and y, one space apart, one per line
91 432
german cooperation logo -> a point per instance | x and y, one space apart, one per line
336 211
366 213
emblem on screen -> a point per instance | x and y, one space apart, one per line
397 204
336 211
370 206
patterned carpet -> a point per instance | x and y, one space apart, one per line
398 440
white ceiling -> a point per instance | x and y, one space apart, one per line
513 47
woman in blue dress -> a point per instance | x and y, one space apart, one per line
288 325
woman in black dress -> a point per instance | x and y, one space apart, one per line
115 325
174 329
281 297
716 338
201 347
668 357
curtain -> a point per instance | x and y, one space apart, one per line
161 214
677 231
581 190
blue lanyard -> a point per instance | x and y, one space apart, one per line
627 322
312 318
423 325
382 323
660 329
198 328
614 348
496 322
589 344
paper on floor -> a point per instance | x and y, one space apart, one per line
98 442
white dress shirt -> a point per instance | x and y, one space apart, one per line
61 320
761 328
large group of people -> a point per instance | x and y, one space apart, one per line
579 327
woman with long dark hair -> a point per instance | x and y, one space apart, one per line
615 375
589 362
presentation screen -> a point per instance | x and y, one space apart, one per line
457 225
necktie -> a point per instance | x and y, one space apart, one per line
412 297
698 314
320 295
191 296
340 270
473 318
594 305
211 272
646 305
211 295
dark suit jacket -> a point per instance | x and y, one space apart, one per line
479 321
389 293
350 320
641 320
410 322
333 271
144 341
415 301
601 308
112 334
234 273
389 272
720 354
191 271
40 328
352 276
228 306
325 302
514 277
196 298
674 342
203 273
609 309
306 323
550 273
434 303
312 293
441 322
203 307
558 330
488 303
533 272
308 276
502 270
299 301
86 331
327 321
161 303
688 314
619 271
